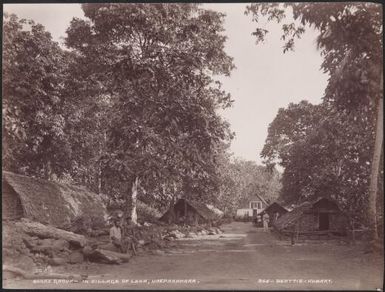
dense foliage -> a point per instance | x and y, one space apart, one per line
128 108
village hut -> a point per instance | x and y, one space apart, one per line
321 216
189 212
47 202
274 210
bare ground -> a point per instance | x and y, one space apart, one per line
243 258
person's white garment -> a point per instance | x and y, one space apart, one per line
115 232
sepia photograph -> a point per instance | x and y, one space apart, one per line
193 146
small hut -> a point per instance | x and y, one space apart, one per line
47 202
188 212
319 217
274 210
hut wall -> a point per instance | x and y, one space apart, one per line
308 222
189 217
11 204
338 222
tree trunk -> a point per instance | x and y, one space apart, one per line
375 170
46 231
134 195
48 170
101 150
373 188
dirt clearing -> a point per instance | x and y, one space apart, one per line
244 257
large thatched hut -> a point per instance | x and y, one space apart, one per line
47 202
319 216
189 212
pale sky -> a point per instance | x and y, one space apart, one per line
265 79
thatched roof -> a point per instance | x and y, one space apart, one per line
289 219
54 203
217 211
274 207
202 209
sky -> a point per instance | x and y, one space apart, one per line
264 80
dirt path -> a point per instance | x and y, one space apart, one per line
243 258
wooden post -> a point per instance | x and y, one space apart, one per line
353 232
185 211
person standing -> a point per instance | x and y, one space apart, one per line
116 235
129 234
265 219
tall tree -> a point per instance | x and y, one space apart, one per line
34 140
155 62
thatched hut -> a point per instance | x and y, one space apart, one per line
321 216
189 212
274 210
47 202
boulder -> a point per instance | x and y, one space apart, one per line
46 242
108 246
21 261
61 244
57 261
47 232
76 257
158 252
191 235
87 251
109 257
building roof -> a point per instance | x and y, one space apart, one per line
54 203
290 218
274 207
201 208
262 199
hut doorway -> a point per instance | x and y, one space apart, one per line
323 221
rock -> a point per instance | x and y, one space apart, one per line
109 257
158 252
191 235
22 261
61 244
76 257
141 242
56 261
87 251
204 232
46 242
45 231
108 246
173 235
218 231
